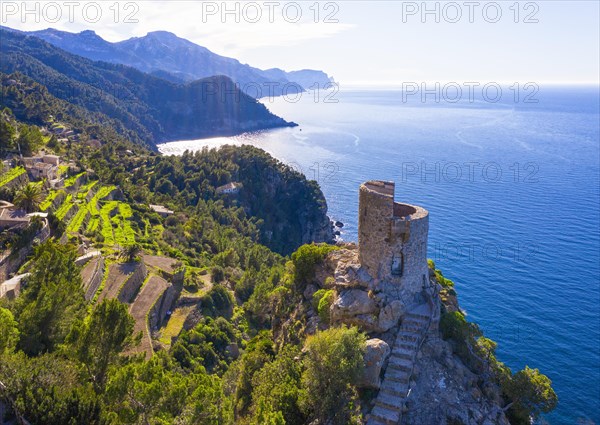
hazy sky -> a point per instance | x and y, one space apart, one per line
359 42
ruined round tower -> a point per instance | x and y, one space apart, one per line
392 238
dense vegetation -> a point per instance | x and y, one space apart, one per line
31 103
62 359
61 362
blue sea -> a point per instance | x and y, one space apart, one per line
513 193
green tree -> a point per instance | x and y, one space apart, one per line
276 388
47 390
333 363
30 139
259 351
52 301
265 416
531 394
98 340
9 332
153 392
305 260
29 197
129 253
7 130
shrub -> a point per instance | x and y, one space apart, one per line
217 274
217 302
454 326
321 302
333 362
325 304
446 283
305 260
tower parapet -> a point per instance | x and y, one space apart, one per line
392 238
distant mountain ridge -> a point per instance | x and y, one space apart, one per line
179 60
153 108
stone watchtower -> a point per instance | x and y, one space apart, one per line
392 238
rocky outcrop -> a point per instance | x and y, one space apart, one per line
444 390
418 378
360 300
376 353
293 209
351 303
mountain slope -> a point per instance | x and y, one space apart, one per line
162 52
156 109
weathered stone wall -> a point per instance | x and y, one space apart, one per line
392 240
17 182
162 306
79 181
92 286
57 201
133 284
375 209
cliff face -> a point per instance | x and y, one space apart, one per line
292 209
288 222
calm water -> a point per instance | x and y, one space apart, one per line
513 195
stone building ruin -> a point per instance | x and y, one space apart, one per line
392 239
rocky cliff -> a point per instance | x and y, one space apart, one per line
414 376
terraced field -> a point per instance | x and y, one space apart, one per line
85 190
71 180
148 296
118 274
111 217
10 175
65 207
175 324
47 203
77 221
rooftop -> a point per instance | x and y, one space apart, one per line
228 186
17 216
160 209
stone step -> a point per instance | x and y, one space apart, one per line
409 333
400 363
412 324
397 388
417 316
408 336
399 359
412 330
415 321
397 375
406 345
404 354
373 420
383 415
389 401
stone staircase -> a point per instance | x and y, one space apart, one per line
395 387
